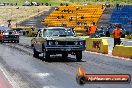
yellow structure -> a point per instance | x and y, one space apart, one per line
97 45
122 51
128 36
29 31
74 16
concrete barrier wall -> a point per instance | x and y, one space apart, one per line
122 51
84 37
97 45
128 37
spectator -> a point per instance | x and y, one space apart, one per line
103 5
85 23
78 23
117 35
16 4
82 17
58 17
77 8
87 30
17 8
38 4
61 4
93 28
63 25
68 11
8 4
117 6
66 4
108 31
56 8
38 12
70 18
46 4
32 3
101 27
42 4
4 4
85 4
63 10
62 16
107 5
26 3
43 20
11 4
9 23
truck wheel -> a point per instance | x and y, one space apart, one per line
0 41
17 41
65 55
79 55
46 56
35 53
32 45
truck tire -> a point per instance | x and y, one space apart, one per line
32 45
79 55
46 56
65 55
35 53
0 41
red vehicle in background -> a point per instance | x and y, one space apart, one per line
1 36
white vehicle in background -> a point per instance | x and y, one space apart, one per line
8 35
27 3
2 4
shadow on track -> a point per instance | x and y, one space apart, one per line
59 59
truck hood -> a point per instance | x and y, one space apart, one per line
71 38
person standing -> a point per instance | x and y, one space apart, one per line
117 35
1 35
92 28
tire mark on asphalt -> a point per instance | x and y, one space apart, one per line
96 63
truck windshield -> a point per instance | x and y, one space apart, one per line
9 32
58 32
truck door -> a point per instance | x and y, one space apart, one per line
38 42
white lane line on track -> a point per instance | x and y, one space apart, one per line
108 55
8 77
49 87
43 75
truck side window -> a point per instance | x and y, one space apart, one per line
39 34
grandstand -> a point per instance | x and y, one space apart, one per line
122 15
74 15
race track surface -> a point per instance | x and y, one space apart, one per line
29 72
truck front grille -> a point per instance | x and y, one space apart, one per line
66 43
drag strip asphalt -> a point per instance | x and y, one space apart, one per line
30 72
